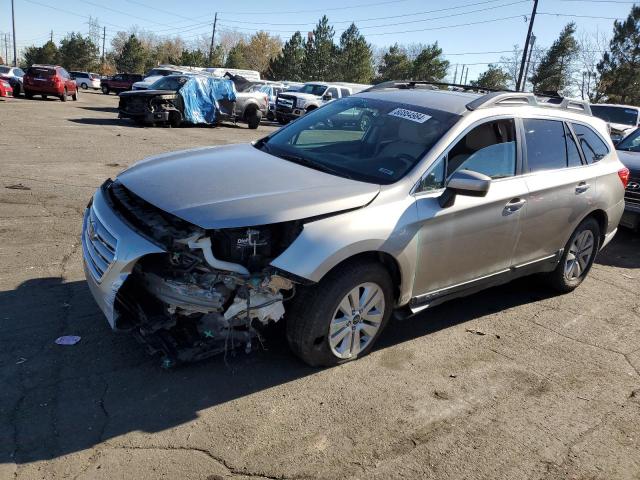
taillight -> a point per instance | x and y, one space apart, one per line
623 173
56 79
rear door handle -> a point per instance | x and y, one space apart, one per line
582 187
515 205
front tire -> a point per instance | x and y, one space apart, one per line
105 90
63 97
84 86
577 258
74 97
253 118
340 318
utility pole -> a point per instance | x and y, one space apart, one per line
455 75
104 36
51 36
466 76
519 84
213 36
526 70
15 49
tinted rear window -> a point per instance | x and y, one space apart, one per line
546 147
41 72
592 145
623 115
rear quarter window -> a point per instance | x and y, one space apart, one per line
592 145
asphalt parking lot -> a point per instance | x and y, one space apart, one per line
512 383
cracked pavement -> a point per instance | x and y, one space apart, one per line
550 391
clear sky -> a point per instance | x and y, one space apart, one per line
473 32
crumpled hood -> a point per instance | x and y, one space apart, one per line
631 160
240 186
148 93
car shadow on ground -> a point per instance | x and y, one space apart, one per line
101 109
104 121
623 252
64 399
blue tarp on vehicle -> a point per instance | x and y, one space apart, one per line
204 97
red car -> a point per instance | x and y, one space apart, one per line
5 88
47 80
120 82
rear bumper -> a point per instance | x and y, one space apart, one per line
38 89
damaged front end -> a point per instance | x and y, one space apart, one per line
151 106
200 292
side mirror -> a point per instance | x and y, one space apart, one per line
327 97
464 182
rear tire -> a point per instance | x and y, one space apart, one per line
577 258
317 310
75 95
175 119
105 90
44 97
84 86
253 118
63 97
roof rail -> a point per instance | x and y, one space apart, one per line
411 84
503 99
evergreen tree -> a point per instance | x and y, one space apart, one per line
133 56
619 68
193 58
287 65
429 65
554 71
493 77
355 59
395 65
320 52
46 54
236 58
78 53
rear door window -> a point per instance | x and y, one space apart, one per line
573 152
546 144
593 147
345 92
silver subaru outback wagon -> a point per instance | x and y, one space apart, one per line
398 198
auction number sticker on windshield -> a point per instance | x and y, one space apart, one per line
409 115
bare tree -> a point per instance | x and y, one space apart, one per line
511 64
591 46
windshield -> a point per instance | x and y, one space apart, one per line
169 83
631 143
161 72
316 90
368 140
622 115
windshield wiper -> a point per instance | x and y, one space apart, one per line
310 163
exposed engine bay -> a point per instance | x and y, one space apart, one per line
212 291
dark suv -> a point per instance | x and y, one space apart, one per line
47 80
120 82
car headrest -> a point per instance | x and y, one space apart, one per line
481 137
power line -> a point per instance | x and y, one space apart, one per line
388 16
279 12
579 16
58 9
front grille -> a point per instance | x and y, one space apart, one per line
156 224
285 103
632 193
99 246
134 105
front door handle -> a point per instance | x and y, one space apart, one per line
582 187
514 205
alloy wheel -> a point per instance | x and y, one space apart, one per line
357 320
579 255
